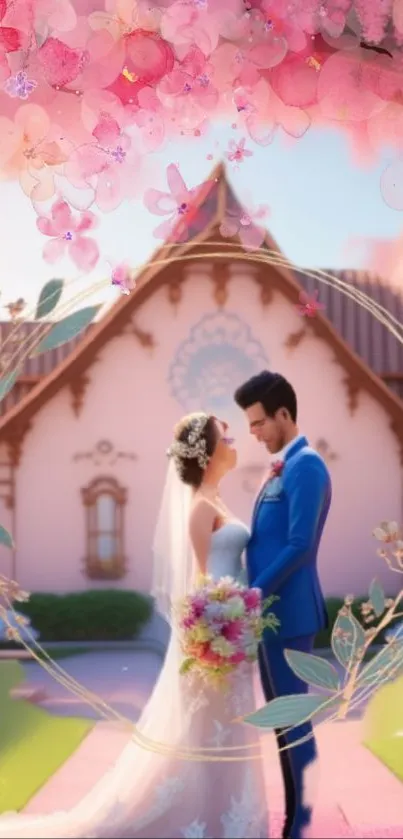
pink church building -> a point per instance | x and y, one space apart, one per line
84 431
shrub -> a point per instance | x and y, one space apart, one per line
108 615
333 605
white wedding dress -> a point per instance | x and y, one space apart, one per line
148 794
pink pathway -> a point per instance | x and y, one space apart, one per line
358 797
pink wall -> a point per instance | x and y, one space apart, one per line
128 402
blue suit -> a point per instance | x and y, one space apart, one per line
287 525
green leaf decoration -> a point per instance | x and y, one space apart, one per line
384 666
7 382
48 298
287 710
67 329
313 670
5 538
377 598
347 638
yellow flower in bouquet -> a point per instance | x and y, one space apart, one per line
201 633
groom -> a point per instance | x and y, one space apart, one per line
288 519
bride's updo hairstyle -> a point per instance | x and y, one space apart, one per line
195 440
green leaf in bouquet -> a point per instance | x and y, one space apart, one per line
377 598
5 537
271 622
48 298
313 670
268 601
348 638
186 666
287 711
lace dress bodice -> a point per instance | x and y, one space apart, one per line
227 546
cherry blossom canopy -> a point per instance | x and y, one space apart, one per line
90 89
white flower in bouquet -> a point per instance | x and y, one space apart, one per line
234 608
226 584
222 647
214 611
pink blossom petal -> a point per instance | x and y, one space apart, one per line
176 183
260 131
268 54
159 203
152 129
46 226
151 57
229 227
110 190
294 121
164 230
62 16
107 130
84 253
89 160
251 236
62 217
54 250
87 221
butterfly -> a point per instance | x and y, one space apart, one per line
309 306
122 278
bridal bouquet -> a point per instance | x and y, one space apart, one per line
221 625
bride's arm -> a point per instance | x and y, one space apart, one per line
200 528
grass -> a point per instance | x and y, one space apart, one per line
33 743
64 651
383 724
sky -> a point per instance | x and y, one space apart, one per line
319 200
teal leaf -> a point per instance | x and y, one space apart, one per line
313 670
348 638
7 382
287 711
384 666
5 537
48 298
67 329
377 598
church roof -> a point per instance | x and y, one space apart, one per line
368 351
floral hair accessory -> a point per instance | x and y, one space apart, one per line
195 445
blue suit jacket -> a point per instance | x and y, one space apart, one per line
287 524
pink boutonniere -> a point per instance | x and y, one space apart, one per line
276 469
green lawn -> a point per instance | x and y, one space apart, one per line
33 743
383 723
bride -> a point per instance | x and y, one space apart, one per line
161 787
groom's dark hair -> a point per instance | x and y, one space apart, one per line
272 390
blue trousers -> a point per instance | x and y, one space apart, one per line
278 679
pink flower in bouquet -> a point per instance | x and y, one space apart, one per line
232 632
237 658
188 621
210 657
252 598
198 606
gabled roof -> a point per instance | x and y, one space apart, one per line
203 229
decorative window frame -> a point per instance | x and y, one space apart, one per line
94 567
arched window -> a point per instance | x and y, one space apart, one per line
104 501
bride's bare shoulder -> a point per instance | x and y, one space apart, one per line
202 513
